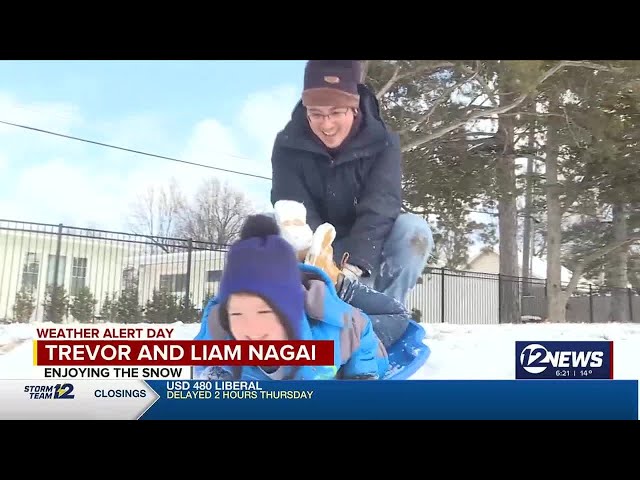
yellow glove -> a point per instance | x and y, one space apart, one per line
321 251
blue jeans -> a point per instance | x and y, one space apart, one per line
382 296
404 256
389 317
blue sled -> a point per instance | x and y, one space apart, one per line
408 354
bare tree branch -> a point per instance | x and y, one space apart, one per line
154 215
216 213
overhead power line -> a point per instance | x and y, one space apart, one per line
138 151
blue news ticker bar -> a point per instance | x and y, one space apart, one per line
399 400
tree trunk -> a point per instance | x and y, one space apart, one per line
556 301
618 273
527 231
508 219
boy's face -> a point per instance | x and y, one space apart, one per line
251 318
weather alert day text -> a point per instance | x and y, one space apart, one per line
83 352
182 352
114 333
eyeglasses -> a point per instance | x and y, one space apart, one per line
333 116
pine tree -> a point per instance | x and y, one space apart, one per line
590 174
128 309
24 306
109 310
188 313
162 308
83 306
56 304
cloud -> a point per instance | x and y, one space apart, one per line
24 184
90 185
210 143
264 114
58 116
59 191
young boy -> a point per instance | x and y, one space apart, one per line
266 294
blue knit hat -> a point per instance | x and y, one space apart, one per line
263 263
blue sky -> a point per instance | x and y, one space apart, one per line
219 113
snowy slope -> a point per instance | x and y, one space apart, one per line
458 351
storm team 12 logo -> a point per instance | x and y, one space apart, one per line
564 360
59 391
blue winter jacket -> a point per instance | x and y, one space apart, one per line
358 352
358 189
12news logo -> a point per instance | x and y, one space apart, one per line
59 391
564 360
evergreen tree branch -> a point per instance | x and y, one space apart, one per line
401 76
508 107
390 83
592 257
443 98
485 87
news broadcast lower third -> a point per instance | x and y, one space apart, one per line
439 372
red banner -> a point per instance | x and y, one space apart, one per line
182 352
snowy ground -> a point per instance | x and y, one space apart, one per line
458 351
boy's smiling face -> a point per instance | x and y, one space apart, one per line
251 318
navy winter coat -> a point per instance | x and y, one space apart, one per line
358 191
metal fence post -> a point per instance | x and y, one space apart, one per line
56 263
499 298
590 303
188 285
442 296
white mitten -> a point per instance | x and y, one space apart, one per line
292 219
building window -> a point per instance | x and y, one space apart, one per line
176 283
129 278
214 276
51 270
78 275
30 271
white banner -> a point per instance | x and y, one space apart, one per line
73 373
31 399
